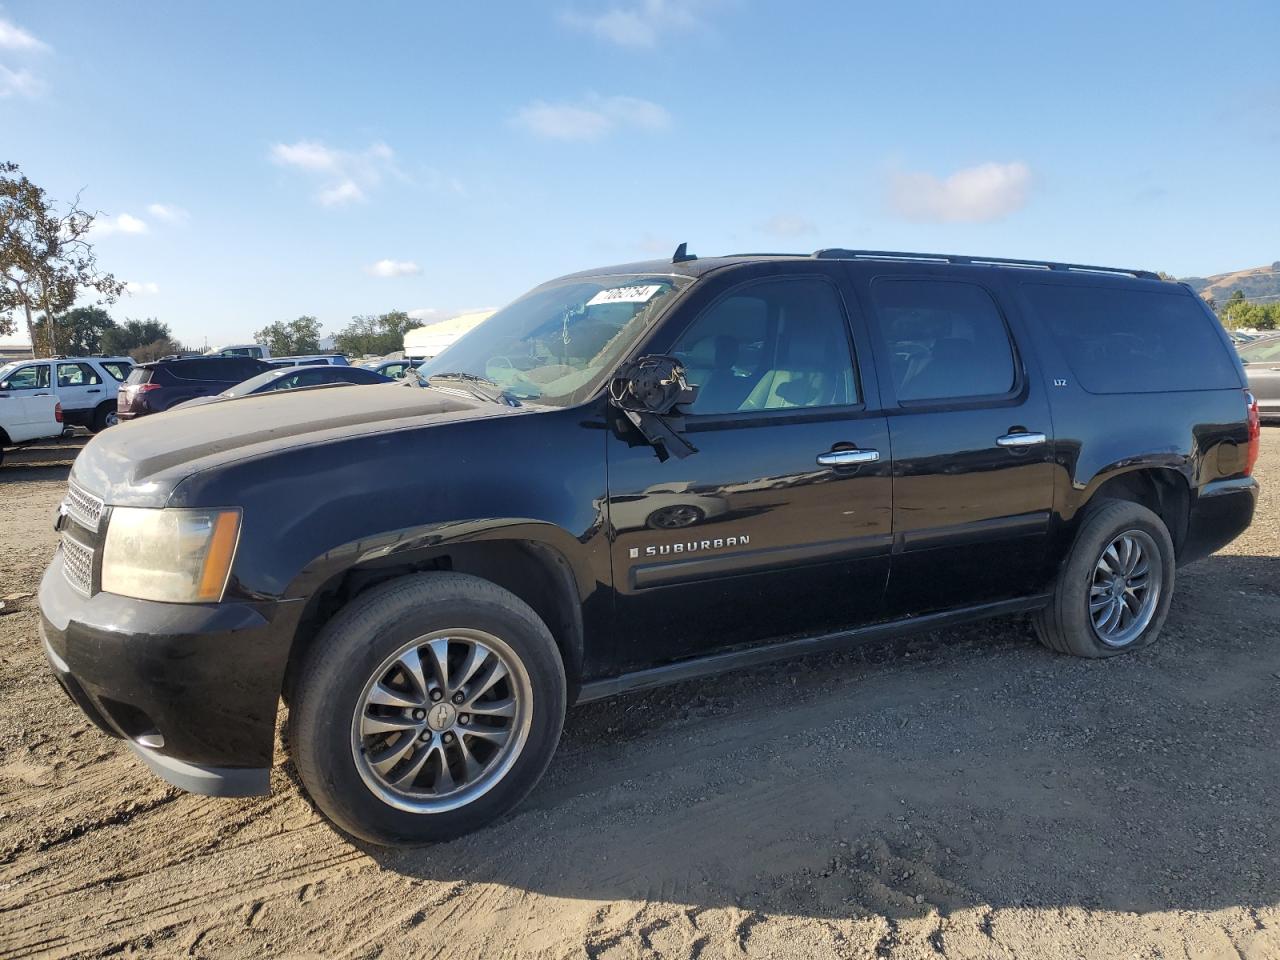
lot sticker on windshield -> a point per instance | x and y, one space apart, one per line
638 294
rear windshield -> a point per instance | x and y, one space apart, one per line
233 369
1124 340
139 375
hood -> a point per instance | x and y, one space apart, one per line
138 463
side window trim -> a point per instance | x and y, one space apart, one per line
1012 396
743 418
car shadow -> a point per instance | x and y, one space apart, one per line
962 768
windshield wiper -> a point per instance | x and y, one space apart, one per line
475 385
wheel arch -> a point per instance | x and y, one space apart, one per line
1164 489
533 568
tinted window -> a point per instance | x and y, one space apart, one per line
770 346
232 369
29 378
1123 340
117 368
77 375
1261 351
946 339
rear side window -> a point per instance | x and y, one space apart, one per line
946 339
77 375
118 369
1123 340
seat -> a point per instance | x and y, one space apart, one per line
722 390
808 375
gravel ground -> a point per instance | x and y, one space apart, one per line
964 794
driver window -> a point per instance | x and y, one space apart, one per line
30 378
773 345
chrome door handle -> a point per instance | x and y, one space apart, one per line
1021 440
847 458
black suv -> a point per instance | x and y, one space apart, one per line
630 476
156 386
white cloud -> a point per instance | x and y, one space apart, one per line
141 288
393 268
122 223
592 119
343 176
989 191
788 225
636 25
426 314
13 37
19 83
167 212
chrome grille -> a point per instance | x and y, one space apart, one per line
77 564
84 508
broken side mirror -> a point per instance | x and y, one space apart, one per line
648 391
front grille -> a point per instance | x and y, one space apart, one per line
85 508
77 564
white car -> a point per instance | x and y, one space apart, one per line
24 418
86 387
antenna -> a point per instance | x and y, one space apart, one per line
682 254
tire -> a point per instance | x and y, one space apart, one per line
103 417
1067 624
351 674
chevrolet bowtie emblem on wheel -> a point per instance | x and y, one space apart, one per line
689 546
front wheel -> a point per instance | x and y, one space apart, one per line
1113 591
427 708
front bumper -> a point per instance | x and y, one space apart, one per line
193 688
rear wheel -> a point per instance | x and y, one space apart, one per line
105 416
1114 590
427 708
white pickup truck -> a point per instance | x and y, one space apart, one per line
24 418
85 386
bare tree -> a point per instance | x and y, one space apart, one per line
46 259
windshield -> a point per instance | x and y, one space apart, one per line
1260 351
555 344
7 369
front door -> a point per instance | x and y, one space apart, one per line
28 417
972 440
779 524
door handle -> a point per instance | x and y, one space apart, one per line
847 458
1021 440
93 391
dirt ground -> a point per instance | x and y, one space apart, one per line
965 794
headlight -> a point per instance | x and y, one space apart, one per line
177 556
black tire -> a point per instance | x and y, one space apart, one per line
103 417
1066 625
346 656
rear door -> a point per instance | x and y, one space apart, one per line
971 434
780 523
80 386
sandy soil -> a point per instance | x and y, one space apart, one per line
966 794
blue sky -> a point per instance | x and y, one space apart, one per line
257 161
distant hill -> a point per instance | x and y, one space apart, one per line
1255 282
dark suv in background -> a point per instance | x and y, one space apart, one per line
630 476
161 384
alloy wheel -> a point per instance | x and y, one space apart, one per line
1125 588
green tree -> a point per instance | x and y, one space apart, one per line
164 347
80 331
287 338
375 334
46 260
132 334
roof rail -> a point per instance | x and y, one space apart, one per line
838 253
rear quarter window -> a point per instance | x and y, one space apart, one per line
1125 340
117 369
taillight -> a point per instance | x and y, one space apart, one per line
144 387
57 412
1255 433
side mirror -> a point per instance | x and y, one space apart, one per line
5 385
648 391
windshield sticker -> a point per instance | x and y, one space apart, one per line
638 294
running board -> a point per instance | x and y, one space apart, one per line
768 653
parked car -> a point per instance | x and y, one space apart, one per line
1262 366
87 387
1240 338
310 360
256 351
293 378
162 384
395 369
429 576
25 418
